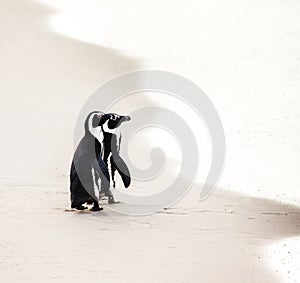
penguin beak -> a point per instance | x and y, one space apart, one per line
126 118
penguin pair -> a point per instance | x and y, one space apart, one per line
98 149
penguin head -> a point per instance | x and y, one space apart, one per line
116 120
94 120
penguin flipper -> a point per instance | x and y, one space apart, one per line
123 170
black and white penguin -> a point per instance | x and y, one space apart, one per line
88 166
111 153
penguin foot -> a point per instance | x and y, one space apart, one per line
111 200
96 208
80 207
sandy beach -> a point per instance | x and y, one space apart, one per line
245 56
220 240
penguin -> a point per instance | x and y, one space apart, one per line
87 165
111 152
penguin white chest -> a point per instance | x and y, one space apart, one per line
96 184
98 134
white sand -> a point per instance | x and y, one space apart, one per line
245 56
220 240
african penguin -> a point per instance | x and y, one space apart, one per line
111 153
88 166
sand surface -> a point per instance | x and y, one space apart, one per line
220 240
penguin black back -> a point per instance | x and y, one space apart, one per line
87 164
